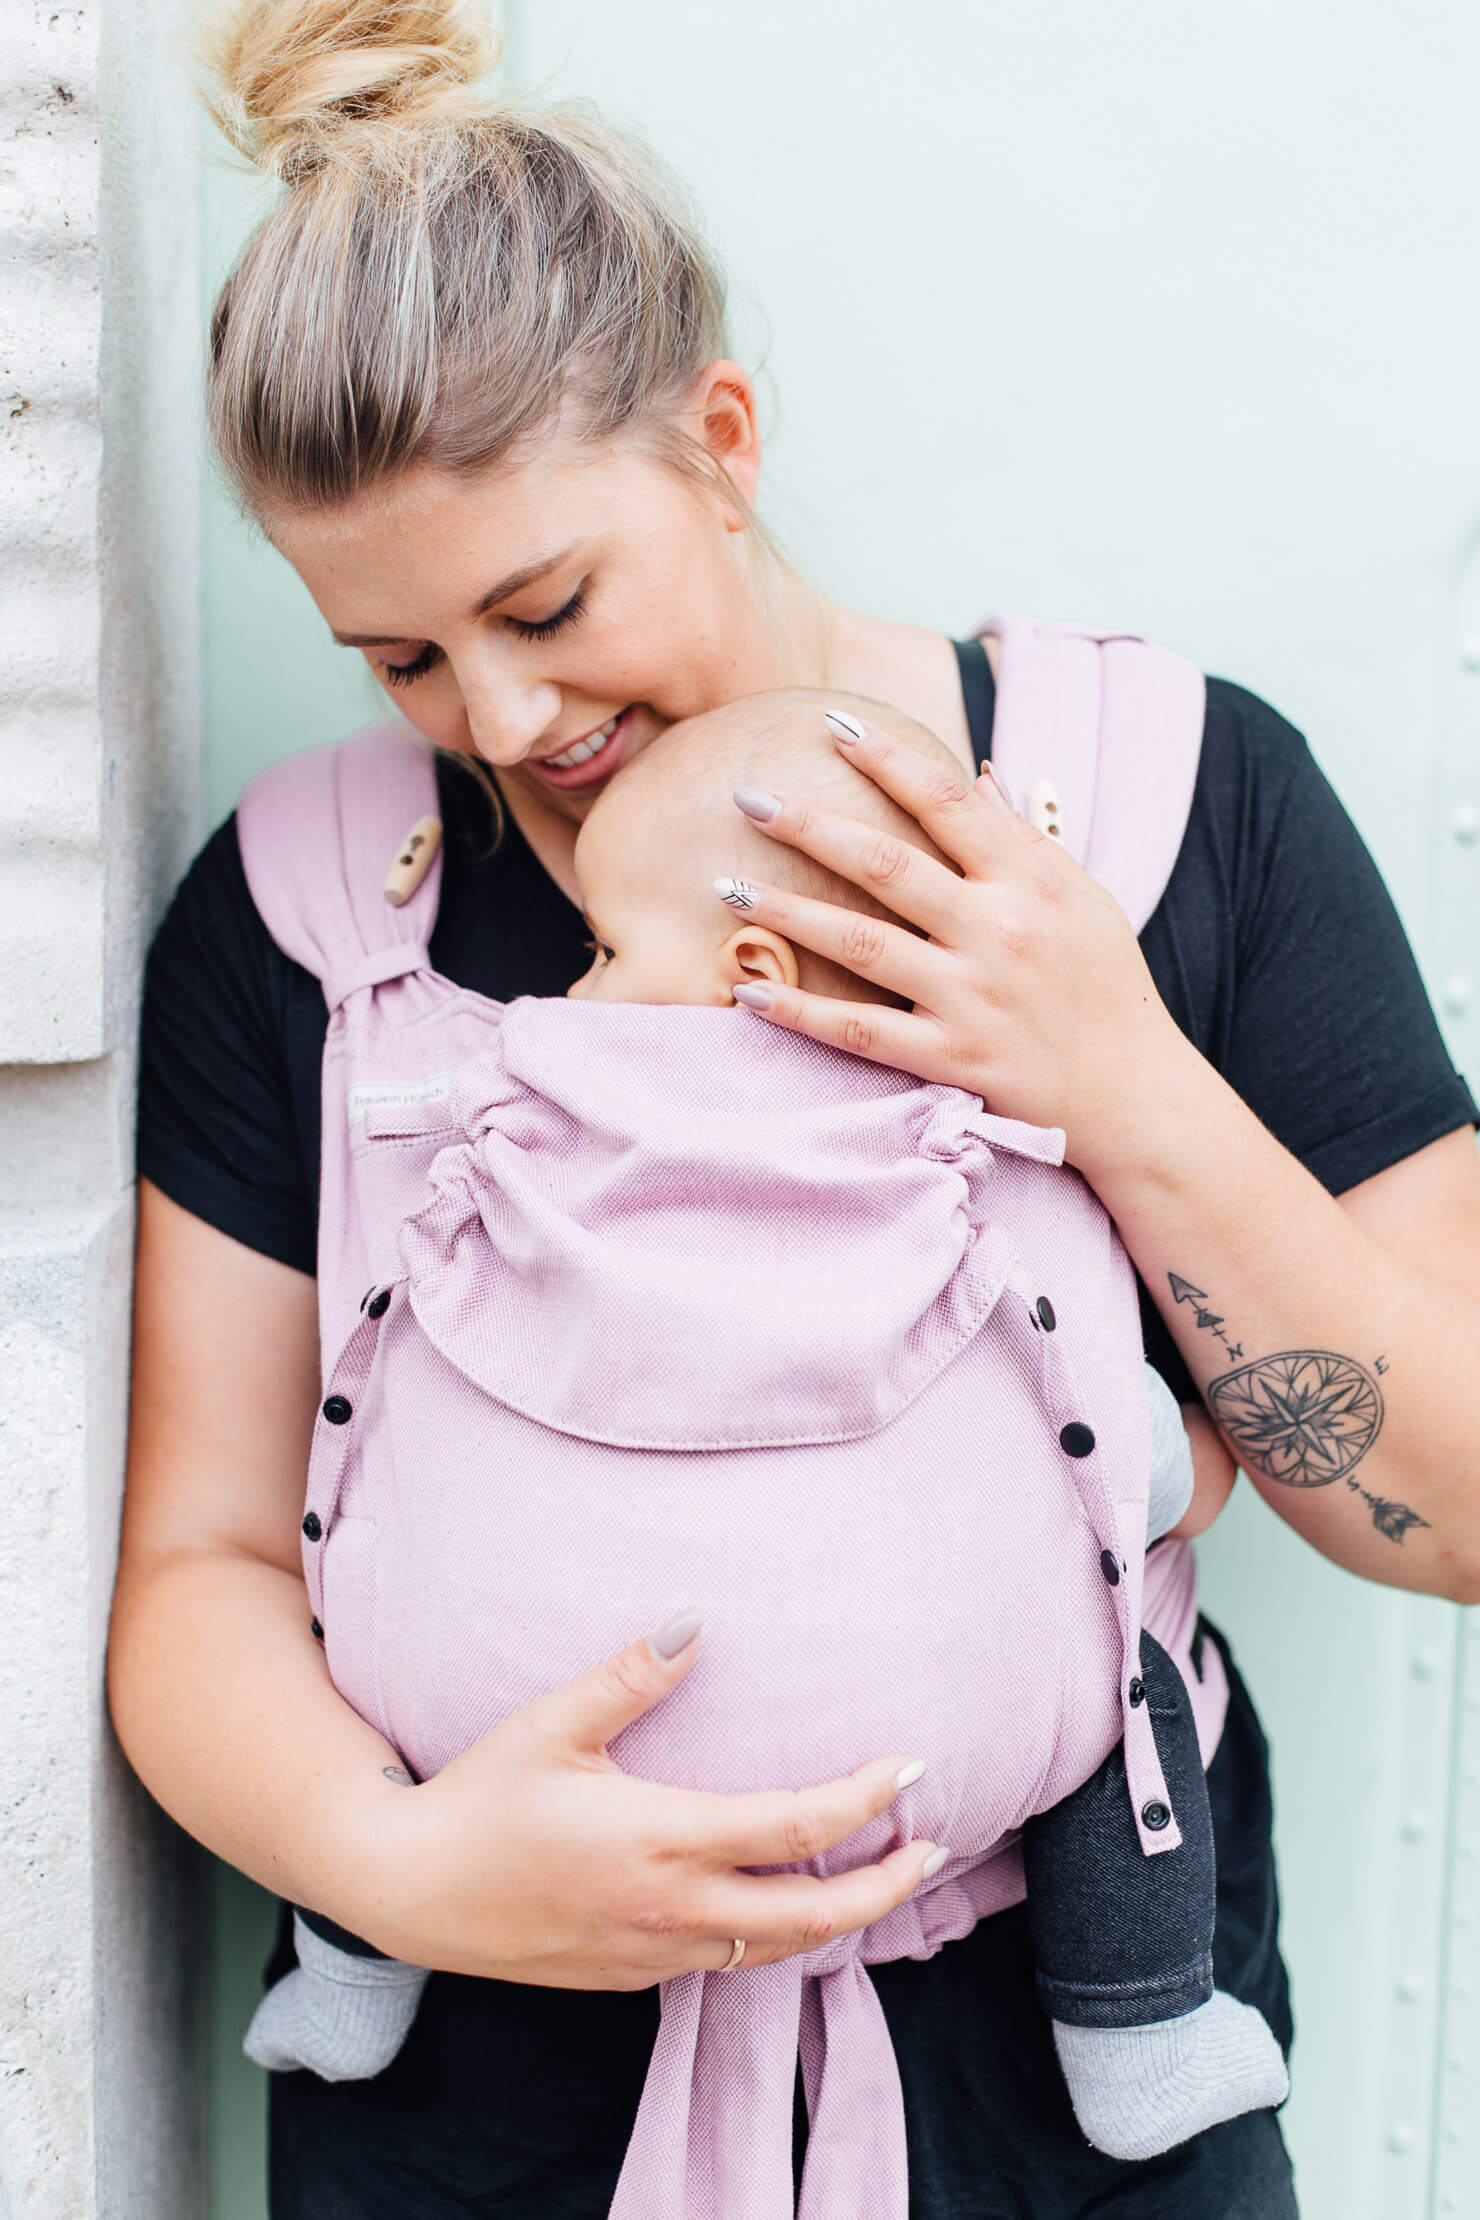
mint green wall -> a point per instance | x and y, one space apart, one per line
1152 315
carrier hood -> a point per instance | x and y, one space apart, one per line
685 1229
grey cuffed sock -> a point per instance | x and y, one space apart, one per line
1138 2091
341 2016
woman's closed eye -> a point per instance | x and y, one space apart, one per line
599 948
547 627
404 674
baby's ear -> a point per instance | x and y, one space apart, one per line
757 953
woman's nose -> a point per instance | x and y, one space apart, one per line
507 715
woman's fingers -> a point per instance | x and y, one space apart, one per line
779 1914
785 1826
968 820
887 954
905 1038
903 878
587 1713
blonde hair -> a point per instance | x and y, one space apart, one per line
448 271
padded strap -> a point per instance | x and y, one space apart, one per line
317 833
1117 725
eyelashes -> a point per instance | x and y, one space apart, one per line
405 674
402 674
562 620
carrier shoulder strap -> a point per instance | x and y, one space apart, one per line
1117 725
319 834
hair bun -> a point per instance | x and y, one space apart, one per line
293 77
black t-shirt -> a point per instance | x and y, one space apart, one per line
1278 952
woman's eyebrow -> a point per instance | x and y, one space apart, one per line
529 575
517 580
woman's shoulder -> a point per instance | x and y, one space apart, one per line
231 1037
1251 754
1280 951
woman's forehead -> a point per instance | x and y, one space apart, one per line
457 543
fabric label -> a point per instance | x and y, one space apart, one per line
394 1094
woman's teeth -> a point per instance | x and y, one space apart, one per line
581 751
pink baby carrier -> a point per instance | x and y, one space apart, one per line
624 1308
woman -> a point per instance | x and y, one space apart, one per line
471 376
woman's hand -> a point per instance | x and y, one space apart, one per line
533 1857
1030 989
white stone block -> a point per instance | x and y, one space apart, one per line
102 1975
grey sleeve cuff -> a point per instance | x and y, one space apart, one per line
1170 1490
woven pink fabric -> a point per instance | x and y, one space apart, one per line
681 1307
624 1308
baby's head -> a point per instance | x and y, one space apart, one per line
666 828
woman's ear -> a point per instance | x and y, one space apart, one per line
756 953
721 417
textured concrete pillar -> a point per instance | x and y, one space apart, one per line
99 1937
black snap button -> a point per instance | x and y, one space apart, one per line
316 1630
1156 1816
1045 1312
1110 1568
1076 1440
311 1526
364 1299
379 1304
337 1410
1137 1691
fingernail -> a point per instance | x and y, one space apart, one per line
675 1634
934 1862
739 893
989 771
757 803
754 998
907 1775
844 729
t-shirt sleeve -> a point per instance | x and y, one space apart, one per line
220 1131
1331 1037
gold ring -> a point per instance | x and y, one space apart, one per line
737 1952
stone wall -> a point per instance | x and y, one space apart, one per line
99 1938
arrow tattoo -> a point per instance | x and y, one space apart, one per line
1209 1322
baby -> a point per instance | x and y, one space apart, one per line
1151 2052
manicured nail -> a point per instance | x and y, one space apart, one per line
846 730
990 771
739 893
757 803
907 1775
675 1634
754 998
934 1862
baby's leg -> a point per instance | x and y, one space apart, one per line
341 2013
1151 2051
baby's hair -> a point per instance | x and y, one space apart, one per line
449 271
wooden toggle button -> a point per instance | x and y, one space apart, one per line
1043 809
413 860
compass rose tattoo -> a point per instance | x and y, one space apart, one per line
1305 1417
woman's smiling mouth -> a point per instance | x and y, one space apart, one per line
588 760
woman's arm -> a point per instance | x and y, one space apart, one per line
531 1857
1337 1346
1213 1474
1337 1343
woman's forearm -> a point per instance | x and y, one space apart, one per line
1343 1377
221 1699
